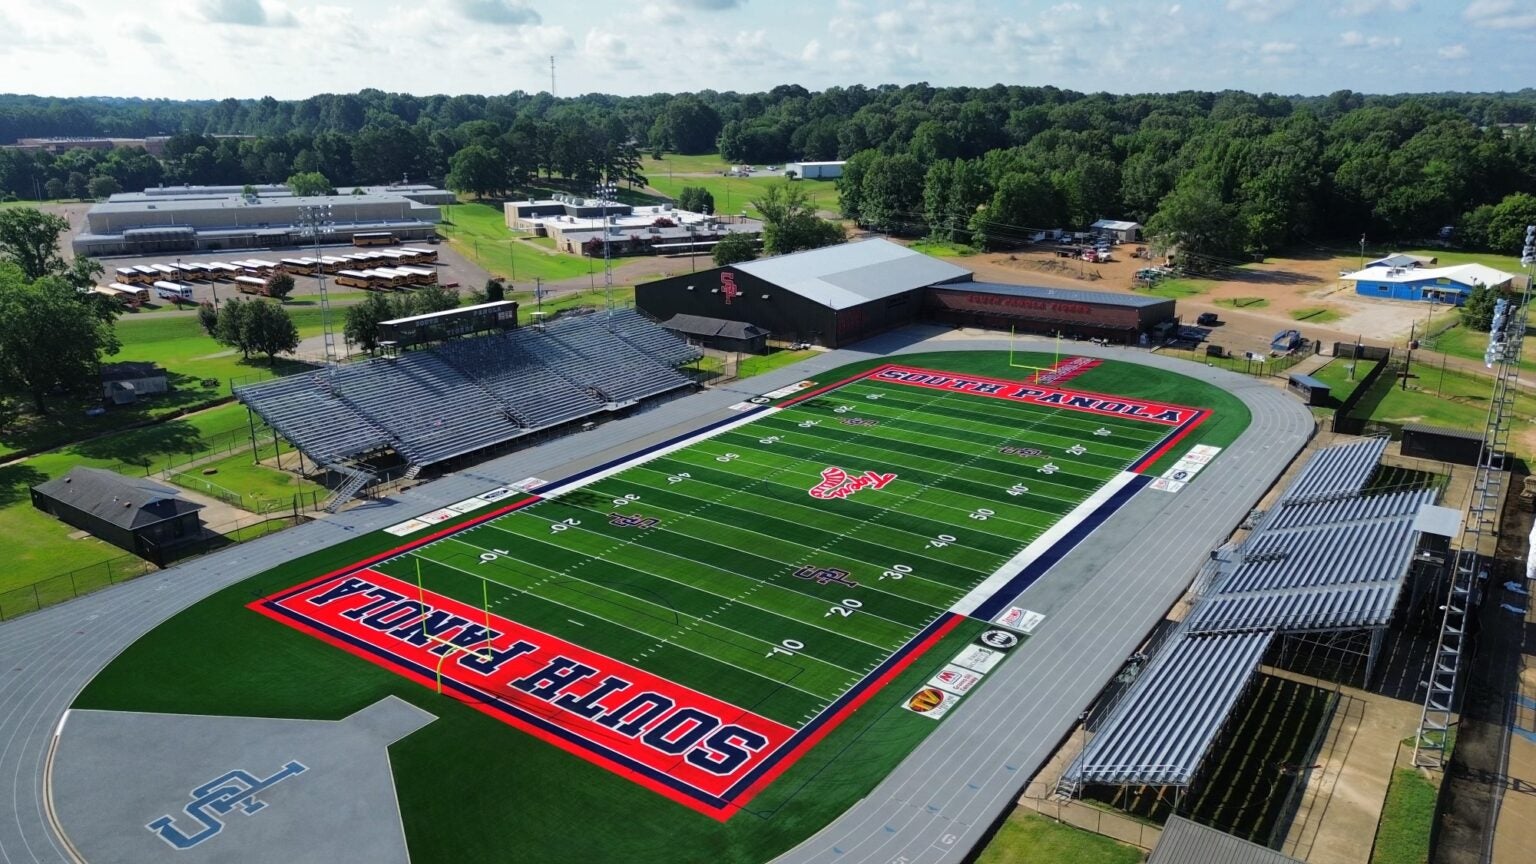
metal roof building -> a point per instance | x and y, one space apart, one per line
168 223
133 513
839 294
1328 556
1186 842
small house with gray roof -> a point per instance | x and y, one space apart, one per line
133 513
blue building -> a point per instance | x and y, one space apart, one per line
1449 285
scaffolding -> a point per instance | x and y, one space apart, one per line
1480 534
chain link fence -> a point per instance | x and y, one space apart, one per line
84 580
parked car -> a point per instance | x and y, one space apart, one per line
1208 319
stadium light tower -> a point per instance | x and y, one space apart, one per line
315 221
605 192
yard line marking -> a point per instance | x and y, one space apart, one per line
574 621
632 630
757 582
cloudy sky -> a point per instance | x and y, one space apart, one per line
296 48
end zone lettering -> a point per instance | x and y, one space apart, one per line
1152 412
615 712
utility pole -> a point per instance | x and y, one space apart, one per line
538 295
551 74
1362 252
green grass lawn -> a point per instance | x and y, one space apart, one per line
1402 835
39 546
943 249
1242 302
1029 838
734 515
623 295
681 164
1315 315
1178 288
478 231
1452 258
260 487
776 359
735 194
1459 341
1341 381
1441 397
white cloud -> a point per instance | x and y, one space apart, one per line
661 13
1259 11
1277 48
144 33
811 52
246 13
609 49
714 5
1356 39
506 12
1174 9
1357 8
1499 15
1453 52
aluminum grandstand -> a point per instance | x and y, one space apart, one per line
1331 555
470 394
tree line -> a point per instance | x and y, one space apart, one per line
1215 172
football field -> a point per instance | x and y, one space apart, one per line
696 617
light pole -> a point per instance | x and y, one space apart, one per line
315 220
604 192
1362 253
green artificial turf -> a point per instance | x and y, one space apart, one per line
701 598
1029 838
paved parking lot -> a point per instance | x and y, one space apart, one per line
451 268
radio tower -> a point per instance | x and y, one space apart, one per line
551 74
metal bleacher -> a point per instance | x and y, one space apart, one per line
469 394
585 350
536 394
658 343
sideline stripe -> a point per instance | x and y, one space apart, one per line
1168 442
1042 545
671 445
989 608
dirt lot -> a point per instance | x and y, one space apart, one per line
1288 286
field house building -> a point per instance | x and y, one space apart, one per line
132 513
184 219
838 295
1449 285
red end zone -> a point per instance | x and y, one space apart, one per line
691 747
642 720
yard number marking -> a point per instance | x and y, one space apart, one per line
678 478
897 571
771 439
941 541
844 608
627 499
488 557
563 525
806 424
1101 432
1077 450
728 457
1048 468
982 514
788 648
1017 489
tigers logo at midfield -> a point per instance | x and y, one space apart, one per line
838 483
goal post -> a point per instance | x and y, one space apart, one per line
1013 362
484 653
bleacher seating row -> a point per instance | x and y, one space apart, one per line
468 394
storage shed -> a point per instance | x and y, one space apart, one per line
135 514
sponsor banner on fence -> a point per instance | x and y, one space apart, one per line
931 702
409 526
1039 394
615 713
437 516
1186 468
790 390
955 679
742 406
527 484
468 504
1162 484
1020 619
979 659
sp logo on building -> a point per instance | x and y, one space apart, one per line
728 287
